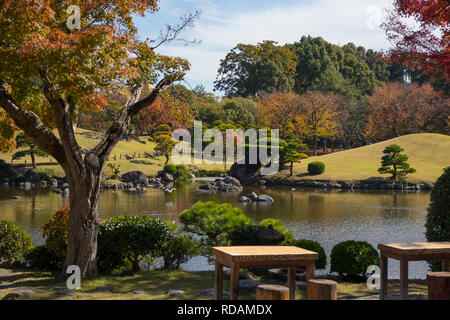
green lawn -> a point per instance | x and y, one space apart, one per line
157 283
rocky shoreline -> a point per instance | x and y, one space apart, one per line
363 185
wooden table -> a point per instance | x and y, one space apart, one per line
261 256
405 252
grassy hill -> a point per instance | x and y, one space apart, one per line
428 153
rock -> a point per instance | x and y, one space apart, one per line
231 180
31 175
264 198
175 293
133 176
138 291
249 285
246 173
167 177
269 236
225 185
16 197
19 293
244 199
104 289
210 293
252 196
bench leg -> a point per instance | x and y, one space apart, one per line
218 284
404 279
445 265
234 282
291 282
309 274
383 276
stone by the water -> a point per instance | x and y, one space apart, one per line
175 293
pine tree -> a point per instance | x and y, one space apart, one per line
395 163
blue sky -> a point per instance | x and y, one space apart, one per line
225 23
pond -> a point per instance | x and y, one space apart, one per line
328 217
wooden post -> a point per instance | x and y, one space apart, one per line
438 285
292 271
218 288
272 292
404 279
309 274
321 289
383 276
234 281
445 265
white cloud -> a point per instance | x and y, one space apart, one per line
339 22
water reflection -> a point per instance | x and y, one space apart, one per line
326 216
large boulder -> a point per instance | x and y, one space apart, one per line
245 173
227 184
167 177
264 198
133 176
269 236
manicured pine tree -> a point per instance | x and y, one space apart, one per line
393 162
292 151
23 141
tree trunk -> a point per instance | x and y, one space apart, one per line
292 169
83 222
315 146
167 158
33 159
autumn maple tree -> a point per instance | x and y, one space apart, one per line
50 75
424 44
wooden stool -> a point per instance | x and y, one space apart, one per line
321 289
272 292
438 285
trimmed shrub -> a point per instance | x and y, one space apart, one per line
438 217
213 223
177 250
352 258
245 235
46 174
43 258
314 246
210 173
14 241
182 174
126 241
170 168
316 167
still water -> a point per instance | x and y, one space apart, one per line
325 216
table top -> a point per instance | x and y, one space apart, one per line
265 253
416 248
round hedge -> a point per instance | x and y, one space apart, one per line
352 258
438 217
314 246
170 168
14 241
316 167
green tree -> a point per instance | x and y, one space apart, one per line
248 69
438 217
32 150
162 135
291 151
393 162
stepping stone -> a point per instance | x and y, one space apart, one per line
175 293
19 293
138 291
104 289
210 293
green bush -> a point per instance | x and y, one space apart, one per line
126 241
213 223
43 258
278 225
177 250
6 170
352 258
46 174
210 173
316 167
314 246
182 174
245 235
14 241
438 217
170 168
